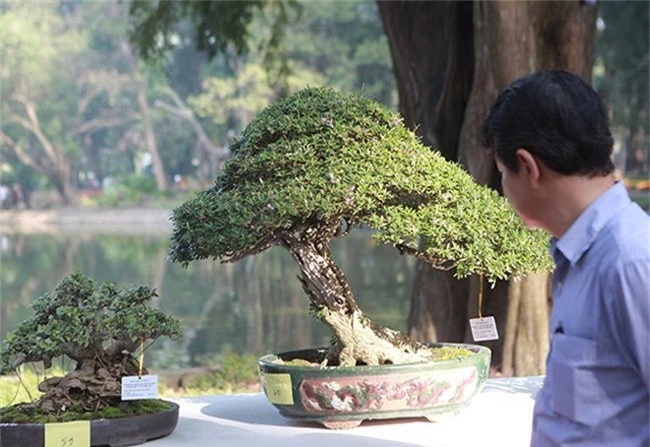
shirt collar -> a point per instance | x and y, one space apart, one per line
584 231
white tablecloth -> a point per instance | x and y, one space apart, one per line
501 415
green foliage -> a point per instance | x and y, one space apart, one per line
219 25
322 156
85 320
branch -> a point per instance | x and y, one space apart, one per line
103 122
34 126
20 153
75 352
99 82
261 245
173 110
182 111
440 264
321 232
122 344
29 108
87 99
13 118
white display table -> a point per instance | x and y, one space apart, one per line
501 415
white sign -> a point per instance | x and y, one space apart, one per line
484 329
140 387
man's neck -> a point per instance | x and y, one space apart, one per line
569 196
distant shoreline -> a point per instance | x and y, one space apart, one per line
67 220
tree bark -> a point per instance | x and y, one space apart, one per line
526 332
510 39
432 60
358 339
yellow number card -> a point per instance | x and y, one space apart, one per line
68 434
278 388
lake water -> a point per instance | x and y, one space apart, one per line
254 306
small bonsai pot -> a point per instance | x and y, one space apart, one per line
119 432
343 397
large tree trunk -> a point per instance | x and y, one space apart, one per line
510 39
433 60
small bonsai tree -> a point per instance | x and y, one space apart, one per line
99 326
318 164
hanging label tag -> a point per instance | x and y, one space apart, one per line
68 434
278 388
484 329
140 387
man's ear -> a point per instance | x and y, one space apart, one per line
530 166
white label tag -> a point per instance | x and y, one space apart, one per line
484 329
144 387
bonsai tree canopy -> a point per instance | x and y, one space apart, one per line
99 326
320 163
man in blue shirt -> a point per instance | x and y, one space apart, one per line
550 136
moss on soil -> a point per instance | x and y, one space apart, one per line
23 413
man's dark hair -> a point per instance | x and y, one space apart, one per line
557 117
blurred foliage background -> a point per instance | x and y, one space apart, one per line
86 121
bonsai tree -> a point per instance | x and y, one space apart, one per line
99 326
318 164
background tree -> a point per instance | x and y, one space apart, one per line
33 128
119 122
79 100
70 92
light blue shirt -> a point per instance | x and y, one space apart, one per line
598 367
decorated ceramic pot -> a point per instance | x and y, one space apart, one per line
342 397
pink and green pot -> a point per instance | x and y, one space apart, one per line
343 397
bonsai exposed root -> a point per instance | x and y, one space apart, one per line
360 341
91 387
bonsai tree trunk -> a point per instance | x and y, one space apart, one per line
510 39
92 386
358 340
